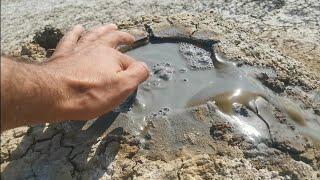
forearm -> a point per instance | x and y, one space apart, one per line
85 78
29 94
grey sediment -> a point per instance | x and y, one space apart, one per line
206 146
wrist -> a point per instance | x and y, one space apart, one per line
30 94
56 93
67 89
43 89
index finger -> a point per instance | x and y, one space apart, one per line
126 61
69 40
136 73
96 32
116 38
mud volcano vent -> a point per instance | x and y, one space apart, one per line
194 95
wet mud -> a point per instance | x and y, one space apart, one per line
184 76
201 113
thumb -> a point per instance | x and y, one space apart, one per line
136 73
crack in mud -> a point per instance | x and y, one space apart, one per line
68 155
266 123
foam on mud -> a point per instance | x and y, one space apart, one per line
196 58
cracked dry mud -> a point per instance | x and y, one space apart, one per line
198 142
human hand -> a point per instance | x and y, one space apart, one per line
95 77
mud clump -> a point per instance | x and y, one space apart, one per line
163 70
272 83
42 47
48 38
33 51
240 109
219 129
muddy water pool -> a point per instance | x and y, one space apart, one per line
184 75
180 72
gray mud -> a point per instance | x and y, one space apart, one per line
183 78
196 103
169 141
165 61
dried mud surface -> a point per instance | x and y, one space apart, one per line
214 150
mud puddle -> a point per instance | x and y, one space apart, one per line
184 75
174 79
183 78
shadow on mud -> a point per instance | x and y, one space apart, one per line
58 151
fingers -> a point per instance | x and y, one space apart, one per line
116 38
107 35
69 40
136 73
125 61
97 32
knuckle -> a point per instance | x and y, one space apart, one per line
127 36
143 69
99 30
110 27
124 36
78 28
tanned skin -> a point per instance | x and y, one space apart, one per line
86 77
